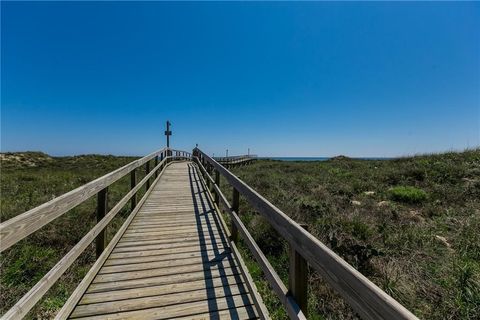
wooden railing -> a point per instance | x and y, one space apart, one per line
19 227
232 160
368 300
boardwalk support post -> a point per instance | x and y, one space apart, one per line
147 171
102 207
217 182
208 172
298 278
133 183
235 207
212 185
156 164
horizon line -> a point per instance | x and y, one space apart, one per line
475 148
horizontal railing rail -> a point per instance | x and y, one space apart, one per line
236 160
232 158
38 217
367 299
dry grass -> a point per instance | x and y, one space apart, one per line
411 225
30 179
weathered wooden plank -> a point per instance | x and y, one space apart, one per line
116 295
161 280
153 301
210 254
201 230
163 235
171 237
170 263
178 247
182 309
238 313
202 227
187 242
168 223
155 217
119 276
177 240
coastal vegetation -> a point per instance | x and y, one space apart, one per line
411 225
29 179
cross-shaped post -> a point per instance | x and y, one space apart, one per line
168 133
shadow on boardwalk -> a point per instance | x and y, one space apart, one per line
222 255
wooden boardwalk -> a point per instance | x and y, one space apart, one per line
174 256
173 261
236 160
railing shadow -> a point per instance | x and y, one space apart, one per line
222 257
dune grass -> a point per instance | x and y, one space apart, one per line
411 225
30 179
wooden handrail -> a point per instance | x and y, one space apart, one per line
367 299
243 156
235 159
75 297
24 305
271 275
257 299
17 228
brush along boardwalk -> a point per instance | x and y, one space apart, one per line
174 256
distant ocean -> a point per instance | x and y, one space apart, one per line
317 158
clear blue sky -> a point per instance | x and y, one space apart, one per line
285 79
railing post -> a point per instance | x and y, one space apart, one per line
235 207
298 278
217 182
102 207
147 171
207 169
133 183
210 172
156 164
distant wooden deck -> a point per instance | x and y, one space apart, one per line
236 160
173 261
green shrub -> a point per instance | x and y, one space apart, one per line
407 194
